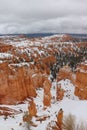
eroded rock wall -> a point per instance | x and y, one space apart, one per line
15 84
81 81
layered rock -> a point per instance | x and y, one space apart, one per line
65 73
38 79
47 93
5 48
50 60
67 38
8 111
18 79
15 84
32 108
60 119
81 81
59 93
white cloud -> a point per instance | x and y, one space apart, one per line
32 16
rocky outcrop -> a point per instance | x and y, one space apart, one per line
15 84
32 108
68 38
60 119
81 81
19 81
47 93
38 79
24 64
5 48
59 93
58 124
65 73
50 60
6 111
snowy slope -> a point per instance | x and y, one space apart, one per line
69 104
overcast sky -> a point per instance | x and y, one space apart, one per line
37 16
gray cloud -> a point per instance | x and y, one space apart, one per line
33 16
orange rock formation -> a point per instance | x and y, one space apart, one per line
65 73
59 93
81 81
32 108
15 84
60 119
29 63
47 93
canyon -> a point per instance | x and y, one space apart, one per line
29 65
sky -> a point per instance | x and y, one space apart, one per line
43 16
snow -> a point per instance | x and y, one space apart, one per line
23 43
69 89
5 55
10 123
19 64
1 61
53 36
83 71
70 105
14 120
84 63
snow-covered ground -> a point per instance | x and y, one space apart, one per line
5 55
70 105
